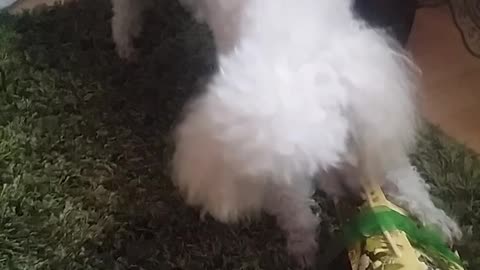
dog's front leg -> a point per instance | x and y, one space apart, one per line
127 24
406 188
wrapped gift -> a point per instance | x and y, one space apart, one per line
381 236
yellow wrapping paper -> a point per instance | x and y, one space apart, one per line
391 250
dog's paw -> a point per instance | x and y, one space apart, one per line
450 230
447 226
127 53
303 251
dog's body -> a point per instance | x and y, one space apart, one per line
304 90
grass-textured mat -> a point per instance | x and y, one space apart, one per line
84 150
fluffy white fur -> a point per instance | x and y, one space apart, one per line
303 89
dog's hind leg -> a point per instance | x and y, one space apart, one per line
127 24
291 208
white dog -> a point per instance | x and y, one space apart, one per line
303 89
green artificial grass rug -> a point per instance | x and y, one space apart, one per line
84 151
